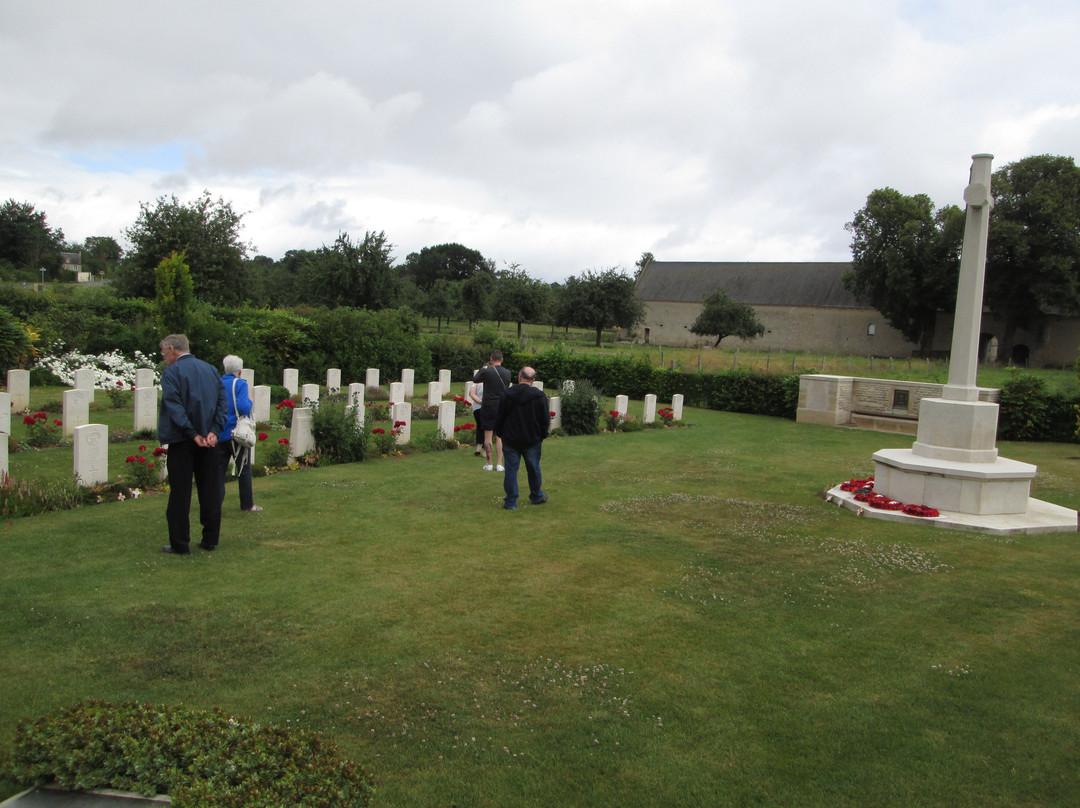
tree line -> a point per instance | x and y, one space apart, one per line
442 282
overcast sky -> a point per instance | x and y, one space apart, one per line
558 135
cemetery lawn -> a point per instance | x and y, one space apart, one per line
684 623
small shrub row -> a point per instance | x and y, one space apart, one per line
1028 413
200 758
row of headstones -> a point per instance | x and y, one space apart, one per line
91 440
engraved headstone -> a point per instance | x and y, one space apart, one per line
76 410
91 455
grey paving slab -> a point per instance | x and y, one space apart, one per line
53 798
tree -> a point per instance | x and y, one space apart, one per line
175 295
101 254
600 300
726 318
646 259
905 260
26 240
441 301
476 295
517 297
359 274
447 262
207 232
1033 249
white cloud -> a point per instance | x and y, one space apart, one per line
556 134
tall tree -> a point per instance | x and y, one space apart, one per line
442 301
905 259
446 262
206 231
726 318
26 240
600 300
1033 250
476 295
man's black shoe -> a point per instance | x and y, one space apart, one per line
169 549
206 546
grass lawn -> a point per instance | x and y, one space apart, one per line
684 623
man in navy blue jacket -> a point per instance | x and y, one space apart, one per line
193 411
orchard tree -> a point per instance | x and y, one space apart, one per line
517 297
600 300
476 294
726 318
441 301
1033 249
101 254
905 260
26 241
207 232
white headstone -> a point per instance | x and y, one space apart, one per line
18 387
309 394
248 375
84 379
356 401
146 408
91 452
538 385
650 409
397 392
144 377
446 418
5 414
290 380
401 420
469 387
556 407
371 378
76 405
434 393
677 406
408 378
260 402
444 381
301 439
333 379
3 458
622 404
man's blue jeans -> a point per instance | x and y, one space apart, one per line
512 459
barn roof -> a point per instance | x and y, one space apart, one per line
757 283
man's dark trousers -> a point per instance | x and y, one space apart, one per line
186 459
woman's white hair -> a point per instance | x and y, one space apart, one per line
232 364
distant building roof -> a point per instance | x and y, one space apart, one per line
812 284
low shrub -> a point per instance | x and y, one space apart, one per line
142 472
285 409
198 757
580 408
338 437
277 454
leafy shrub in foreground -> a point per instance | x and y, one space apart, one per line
338 437
200 758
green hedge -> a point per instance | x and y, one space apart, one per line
731 391
1028 412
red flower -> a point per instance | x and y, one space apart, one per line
283 441
263 436
40 416
29 420
921 510
398 423
142 448
58 422
130 459
378 431
287 403
159 451
141 459
552 413
119 383
149 465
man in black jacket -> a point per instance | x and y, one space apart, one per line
523 421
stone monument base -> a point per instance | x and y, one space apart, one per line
1000 486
